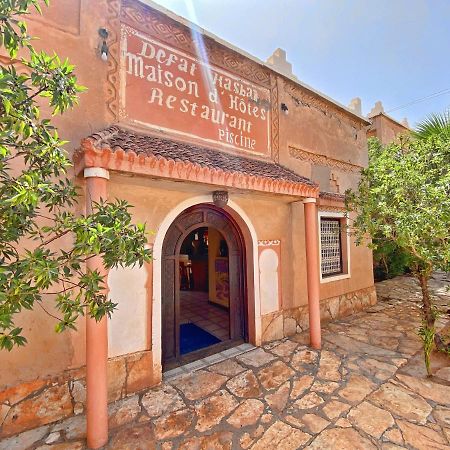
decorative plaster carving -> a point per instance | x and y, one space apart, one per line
220 198
275 119
112 87
269 243
322 160
324 208
334 183
155 24
165 29
331 202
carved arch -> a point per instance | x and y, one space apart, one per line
204 215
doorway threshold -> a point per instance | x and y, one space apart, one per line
208 361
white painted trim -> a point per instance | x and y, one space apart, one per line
96 172
310 200
157 270
339 215
334 278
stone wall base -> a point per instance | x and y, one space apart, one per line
44 401
280 324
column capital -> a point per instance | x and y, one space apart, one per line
307 200
96 172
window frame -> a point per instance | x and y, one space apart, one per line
344 237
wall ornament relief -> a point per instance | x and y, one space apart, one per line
324 208
112 86
155 24
322 160
275 127
269 243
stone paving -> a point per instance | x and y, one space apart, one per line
356 393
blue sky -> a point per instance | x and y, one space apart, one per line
396 51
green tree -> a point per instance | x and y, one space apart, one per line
404 197
44 245
389 260
434 124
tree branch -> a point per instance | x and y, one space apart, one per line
54 238
50 314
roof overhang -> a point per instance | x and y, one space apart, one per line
95 152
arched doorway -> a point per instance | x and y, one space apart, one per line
203 285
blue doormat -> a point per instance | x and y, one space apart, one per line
194 338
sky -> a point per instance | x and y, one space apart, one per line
396 51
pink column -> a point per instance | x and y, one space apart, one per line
312 271
96 334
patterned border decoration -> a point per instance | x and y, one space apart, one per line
112 89
156 24
275 128
167 30
322 160
324 208
269 243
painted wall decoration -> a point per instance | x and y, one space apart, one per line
270 275
170 90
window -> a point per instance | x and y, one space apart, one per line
330 246
334 246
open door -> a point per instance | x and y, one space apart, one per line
203 296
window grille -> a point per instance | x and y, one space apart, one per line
331 252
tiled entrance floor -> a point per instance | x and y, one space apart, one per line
358 392
195 308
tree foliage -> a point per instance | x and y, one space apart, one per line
44 244
434 124
403 197
389 259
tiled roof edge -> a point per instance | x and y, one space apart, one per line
97 150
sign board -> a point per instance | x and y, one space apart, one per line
167 89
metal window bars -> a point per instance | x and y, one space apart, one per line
331 251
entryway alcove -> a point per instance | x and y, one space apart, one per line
203 286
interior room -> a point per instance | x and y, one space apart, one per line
204 290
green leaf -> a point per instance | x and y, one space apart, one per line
38 198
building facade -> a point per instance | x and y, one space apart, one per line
236 167
384 127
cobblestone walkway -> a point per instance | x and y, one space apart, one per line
359 392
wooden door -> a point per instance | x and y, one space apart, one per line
185 223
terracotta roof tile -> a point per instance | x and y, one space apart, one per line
116 138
